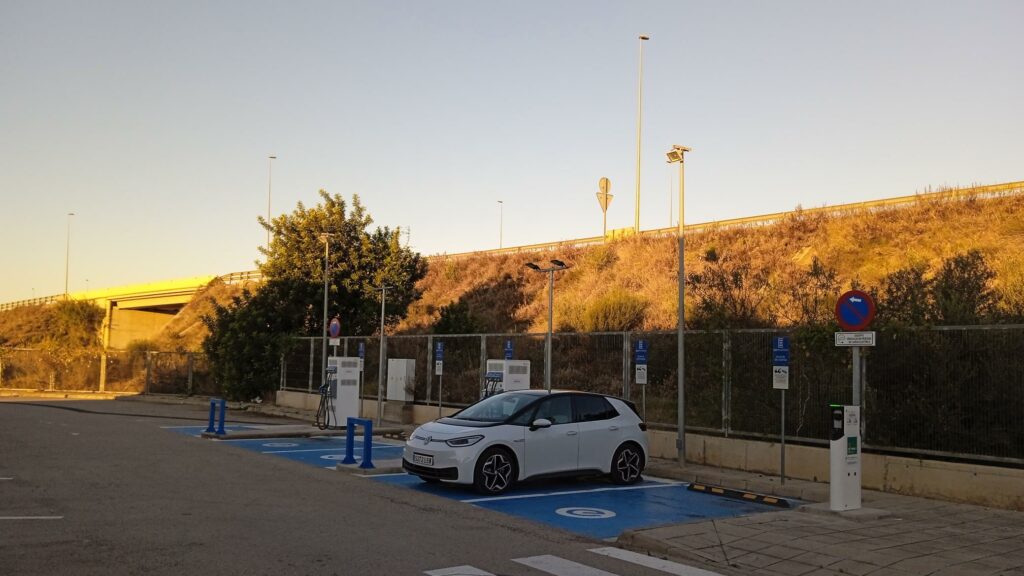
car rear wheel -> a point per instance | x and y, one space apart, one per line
495 471
627 464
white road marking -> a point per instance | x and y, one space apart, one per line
334 449
6 478
618 489
458 571
31 517
560 566
666 566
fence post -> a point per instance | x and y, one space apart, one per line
191 370
627 343
430 370
281 373
149 370
103 371
483 360
726 382
310 366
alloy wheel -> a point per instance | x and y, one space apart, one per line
497 472
628 465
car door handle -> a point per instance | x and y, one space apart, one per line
613 428
571 433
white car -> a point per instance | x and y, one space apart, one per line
524 434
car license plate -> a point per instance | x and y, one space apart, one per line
422 459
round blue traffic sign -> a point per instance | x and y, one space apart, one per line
855 310
335 328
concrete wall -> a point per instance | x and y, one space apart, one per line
969 483
128 325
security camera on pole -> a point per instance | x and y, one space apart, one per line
854 311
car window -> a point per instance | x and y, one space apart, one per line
496 408
593 408
557 409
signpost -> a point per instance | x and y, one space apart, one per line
780 381
604 198
439 370
508 349
334 330
640 361
362 355
855 310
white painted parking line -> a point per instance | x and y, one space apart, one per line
666 566
560 566
458 571
589 491
1 479
31 517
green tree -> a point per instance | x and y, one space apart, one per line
729 294
906 297
248 336
962 291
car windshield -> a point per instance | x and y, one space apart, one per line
497 408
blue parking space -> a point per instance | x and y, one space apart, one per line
595 508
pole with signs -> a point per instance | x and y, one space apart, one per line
855 310
508 350
780 381
640 361
439 370
362 356
334 331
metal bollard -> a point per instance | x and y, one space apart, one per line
213 414
223 411
350 426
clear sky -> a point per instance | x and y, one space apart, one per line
152 121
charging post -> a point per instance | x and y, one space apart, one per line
439 370
780 381
854 311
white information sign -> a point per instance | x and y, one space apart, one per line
855 338
780 377
334 341
641 373
439 367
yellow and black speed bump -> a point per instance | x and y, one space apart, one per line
739 495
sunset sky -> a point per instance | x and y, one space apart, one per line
152 121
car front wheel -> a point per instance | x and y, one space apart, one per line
627 464
495 471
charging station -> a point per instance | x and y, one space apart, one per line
844 458
344 389
505 375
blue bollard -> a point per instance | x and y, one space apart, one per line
350 430
213 408
223 410
367 444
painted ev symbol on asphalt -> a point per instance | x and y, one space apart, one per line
280 445
333 457
585 513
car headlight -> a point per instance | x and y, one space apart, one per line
464 441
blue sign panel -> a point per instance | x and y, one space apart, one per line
439 351
362 350
508 349
780 351
640 353
855 310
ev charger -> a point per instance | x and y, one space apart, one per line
844 458
344 388
505 375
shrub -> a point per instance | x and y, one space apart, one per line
616 311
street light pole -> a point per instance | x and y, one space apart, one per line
326 239
639 124
270 160
380 363
676 154
501 224
67 255
557 265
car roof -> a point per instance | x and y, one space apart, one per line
536 392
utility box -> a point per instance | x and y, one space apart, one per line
344 381
844 458
401 379
516 375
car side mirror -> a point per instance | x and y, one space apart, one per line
540 423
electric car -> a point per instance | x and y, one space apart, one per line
525 434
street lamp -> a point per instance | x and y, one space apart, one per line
675 155
326 239
270 160
67 255
501 223
556 265
639 122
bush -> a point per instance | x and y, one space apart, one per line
616 311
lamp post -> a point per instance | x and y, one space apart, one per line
326 239
556 265
501 223
639 123
381 359
674 155
270 160
67 255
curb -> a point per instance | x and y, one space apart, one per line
740 495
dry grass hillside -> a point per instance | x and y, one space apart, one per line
862 246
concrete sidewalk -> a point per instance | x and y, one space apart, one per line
893 536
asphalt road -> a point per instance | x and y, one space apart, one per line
125 496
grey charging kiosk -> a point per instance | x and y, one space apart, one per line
844 457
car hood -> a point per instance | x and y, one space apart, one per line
445 430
